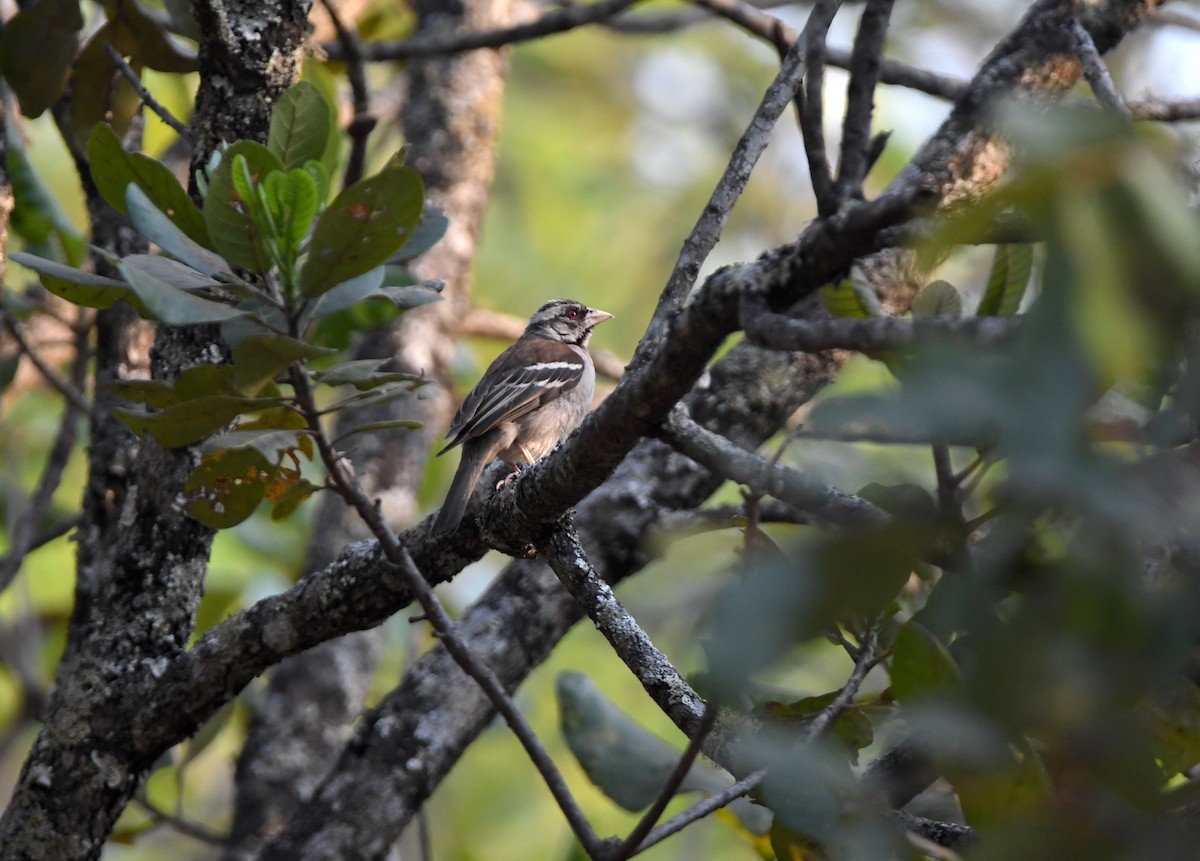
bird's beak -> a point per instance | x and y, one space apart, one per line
595 317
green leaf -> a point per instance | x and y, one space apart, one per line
938 299
188 422
921 665
66 273
138 35
202 381
850 298
370 427
295 496
8 369
269 443
292 199
363 226
114 169
152 393
430 230
233 232
1007 282
300 126
352 372
347 293
153 224
170 304
37 215
411 296
171 271
98 97
37 46
227 486
260 358
1171 712
853 727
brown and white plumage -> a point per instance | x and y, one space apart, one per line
533 395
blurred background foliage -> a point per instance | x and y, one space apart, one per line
611 143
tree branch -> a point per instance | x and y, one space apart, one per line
812 108
865 63
1097 73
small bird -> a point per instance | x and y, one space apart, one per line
534 394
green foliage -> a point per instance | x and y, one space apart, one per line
37 46
1007 282
263 212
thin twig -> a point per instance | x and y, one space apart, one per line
73 394
863 664
701 809
148 100
397 554
707 230
25 530
727 517
1097 73
865 62
183 826
363 121
674 781
947 486
558 21
812 112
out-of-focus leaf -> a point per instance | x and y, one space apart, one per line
227 216
202 381
295 496
65 273
804 788
411 296
136 34
269 443
37 216
370 427
227 486
114 169
1007 282
938 299
260 358
921 665
156 226
1172 715
361 228
320 177
347 293
278 418
853 726
429 232
209 731
993 796
851 297
183 21
8 369
37 46
172 305
300 123
355 371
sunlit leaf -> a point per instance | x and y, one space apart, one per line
300 123
37 46
227 486
851 297
361 228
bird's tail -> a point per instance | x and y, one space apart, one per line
465 479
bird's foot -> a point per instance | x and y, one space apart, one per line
517 469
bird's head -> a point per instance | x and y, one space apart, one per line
566 320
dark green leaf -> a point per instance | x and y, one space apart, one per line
430 230
190 421
227 216
355 371
8 369
171 271
347 293
152 393
172 305
363 226
65 273
37 46
260 358
156 226
136 34
938 299
1172 714
1007 282
300 124
202 381
921 665
114 169
227 486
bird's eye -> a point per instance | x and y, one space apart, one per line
572 314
